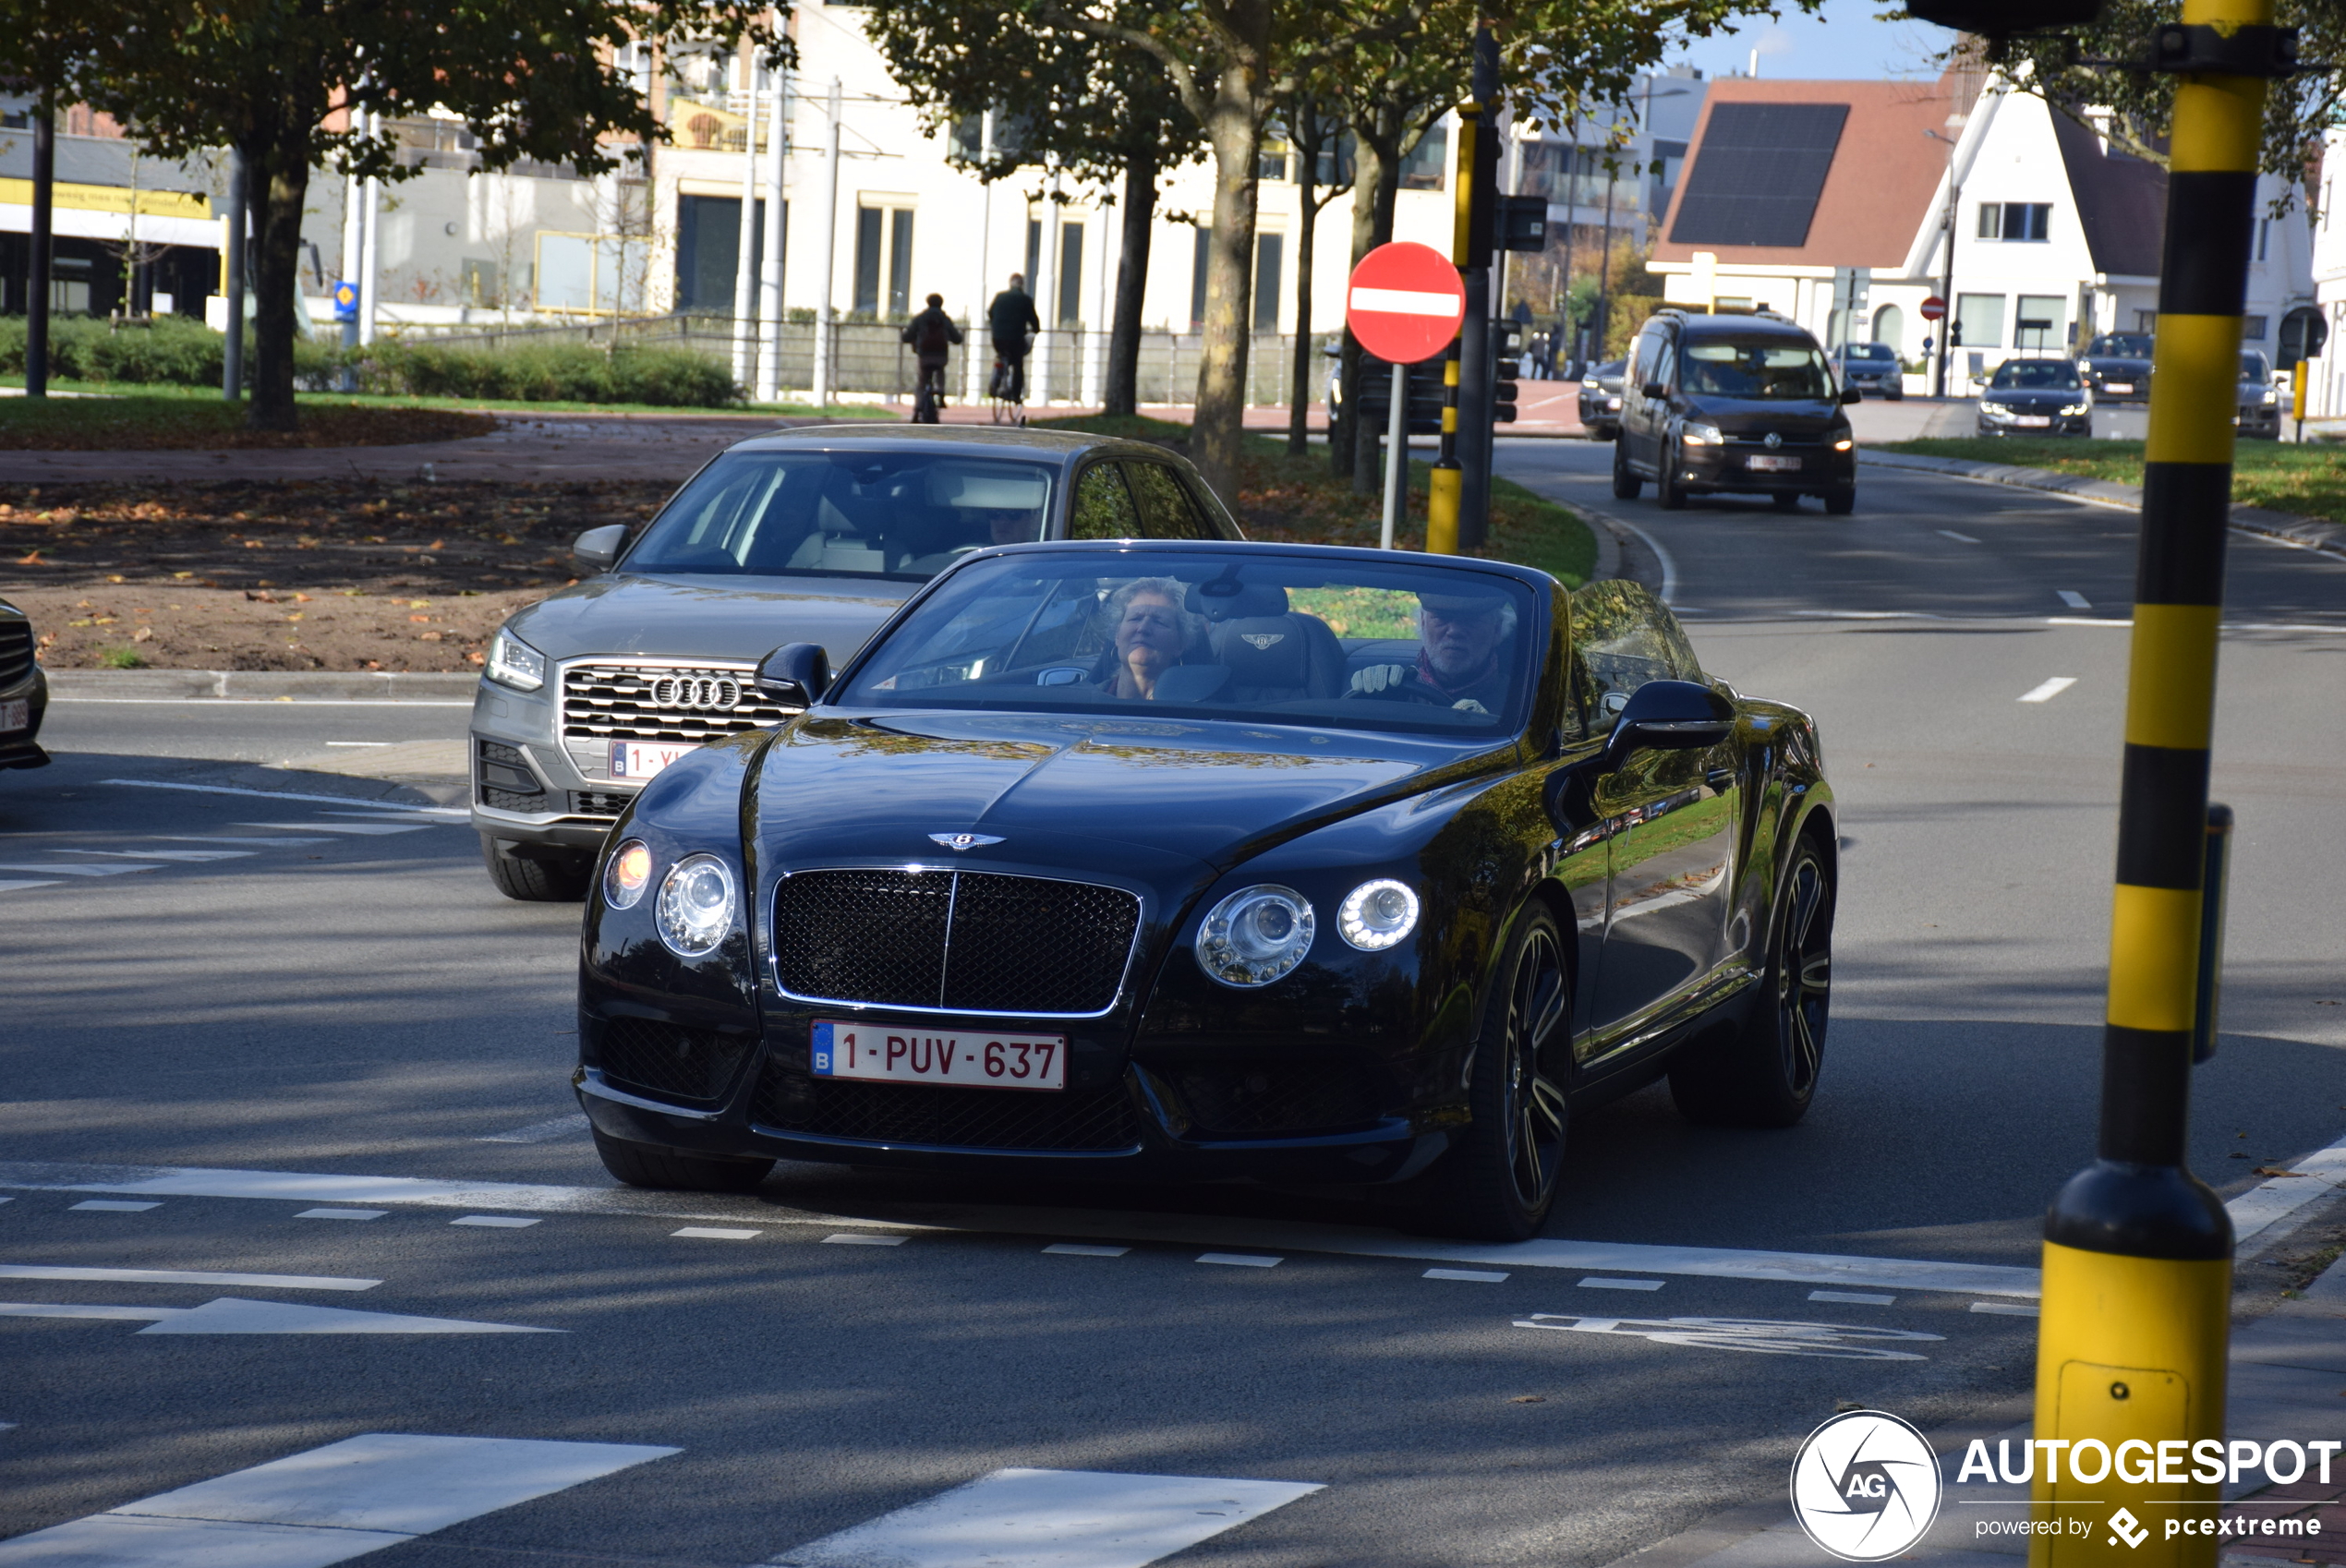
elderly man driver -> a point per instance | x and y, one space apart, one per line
1462 638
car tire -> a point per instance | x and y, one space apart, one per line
1498 1180
1898 397
559 879
1764 1074
1841 503
1667 492
1625 485
1786 500
648 1164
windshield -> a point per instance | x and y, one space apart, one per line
844 515
1264 638
1608 371
1776 368
1867 351
2121 345
2254 369
2023 374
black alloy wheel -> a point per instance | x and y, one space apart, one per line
1499 1178
1665 478
1625 485
1765 1073
648 1164
1841 503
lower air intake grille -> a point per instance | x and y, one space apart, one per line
600 802
505 780
512 799
967 941
16 650
1093 1121
1286 1100
663 1060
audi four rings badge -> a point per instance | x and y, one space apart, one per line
695 690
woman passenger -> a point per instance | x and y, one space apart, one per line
1149 632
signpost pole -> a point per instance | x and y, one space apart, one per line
1396 452
1404 304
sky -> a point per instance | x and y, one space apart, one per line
1842 39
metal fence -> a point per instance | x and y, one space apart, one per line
867 359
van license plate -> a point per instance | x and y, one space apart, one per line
17 714
1775 464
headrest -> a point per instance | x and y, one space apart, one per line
1222 599
1264 650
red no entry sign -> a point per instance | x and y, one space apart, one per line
1934 308
1405 302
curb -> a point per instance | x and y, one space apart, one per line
260 685
2289 528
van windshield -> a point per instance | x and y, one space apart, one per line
1771 369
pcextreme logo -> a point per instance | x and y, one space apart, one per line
1865 1486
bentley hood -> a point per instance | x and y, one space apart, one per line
1084 790
684 617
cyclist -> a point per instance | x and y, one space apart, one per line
931 335
1012 321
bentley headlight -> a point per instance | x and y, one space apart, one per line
1255 935
1696 433
1377 914
695 905
626 875
514 663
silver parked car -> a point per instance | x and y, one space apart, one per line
811 535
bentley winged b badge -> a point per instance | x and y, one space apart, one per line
957 842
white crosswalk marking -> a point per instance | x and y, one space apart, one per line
1050 1519
74 868
368 828
191 856
15 886
241 838
327 1505
181 1277
235 1315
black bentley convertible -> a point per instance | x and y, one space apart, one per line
1209 860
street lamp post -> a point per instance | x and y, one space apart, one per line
1947 265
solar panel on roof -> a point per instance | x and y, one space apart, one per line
1758 172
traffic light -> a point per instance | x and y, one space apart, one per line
2002 18
1505 361
1423 411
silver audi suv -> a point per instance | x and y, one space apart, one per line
810 536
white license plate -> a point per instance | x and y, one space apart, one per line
1775 464
2118 386
639 759
963 1059
17 714
2033 421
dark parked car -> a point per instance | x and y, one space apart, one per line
2036 397
1871 367
24 692
1202 862
2117 366
1733 403
1600 399
814 536
2260 401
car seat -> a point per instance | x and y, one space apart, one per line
1274 653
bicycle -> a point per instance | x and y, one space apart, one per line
1005 392
929 398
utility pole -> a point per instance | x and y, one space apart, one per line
370 247
44 200
972 365
1946 333
1475 372
770 267
745 239
232 363
822 390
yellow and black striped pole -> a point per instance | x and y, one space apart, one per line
1446 485
2138 1258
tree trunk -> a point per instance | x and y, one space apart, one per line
1303 139
1123 395
277 292
1234 130
1383 198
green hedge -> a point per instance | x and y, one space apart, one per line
179 352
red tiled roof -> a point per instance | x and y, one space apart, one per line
1884 172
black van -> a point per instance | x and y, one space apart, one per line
1733 403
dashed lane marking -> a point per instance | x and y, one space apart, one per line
450 811
1838 1342
242 838
1853 1298
74 868
234 1315
849 1238
539 1132
2006 1309
495 1221
117 1205
371 829
181 1277
1597 1284
2049 690
1959 538
342 1213
327 1504
12 886
2073 599
190 857
717 1232
1085 1250
1051 1519
1473 1277
1239 1259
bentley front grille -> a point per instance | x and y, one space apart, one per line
1098 1121
957 941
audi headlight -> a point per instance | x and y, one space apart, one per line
514 663
1696 433
1255 935
695 905
1377 914
626 875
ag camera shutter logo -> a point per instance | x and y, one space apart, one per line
1865 1486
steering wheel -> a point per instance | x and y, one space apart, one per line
1406 691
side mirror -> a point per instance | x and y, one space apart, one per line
1654 390
595 549
795 674
1851 394
1670 715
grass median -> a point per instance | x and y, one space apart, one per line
2282 476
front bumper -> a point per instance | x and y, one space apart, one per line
22 748
2265 422
526 788
1714 469
2061 424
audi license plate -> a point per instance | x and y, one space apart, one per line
2033 421
963 1059
17 714
640 759
1775 464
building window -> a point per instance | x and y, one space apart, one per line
1422 169
2264 237
1071 277
2016 220
1270 251
1197 277
2253 328
1033 253
883 261
708 237
2146 320
2037 327
1979 320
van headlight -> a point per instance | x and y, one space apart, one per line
1694 432
695 909
514 663
1255 935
